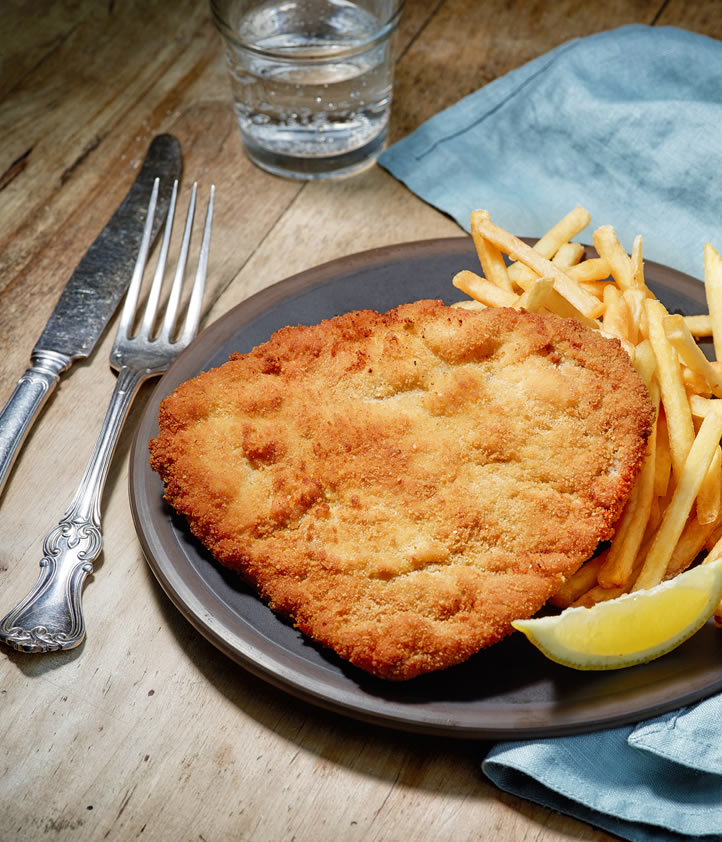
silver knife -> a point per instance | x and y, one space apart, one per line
90 297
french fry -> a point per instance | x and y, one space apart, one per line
619 565
521 275
709 499
568 254
616 319
695 467
638 281
595 288
561 306
564 230
646 363
608 246
591 275
695 383
490 258
594 269
519 250
663 458
597 594
617 568
483 290
680 428
713 292
690 353
659 504
710 492
536 297
691 543
699 326
469 304
714 555
579 582
548 245
700 406
713 537
715 552
634 299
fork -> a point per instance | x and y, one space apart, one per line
50 617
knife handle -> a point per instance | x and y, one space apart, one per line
26 401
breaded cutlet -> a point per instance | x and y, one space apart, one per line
403 485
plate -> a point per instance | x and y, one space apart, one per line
507 691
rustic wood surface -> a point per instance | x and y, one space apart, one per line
146 731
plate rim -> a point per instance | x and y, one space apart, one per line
519 723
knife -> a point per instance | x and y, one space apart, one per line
90 297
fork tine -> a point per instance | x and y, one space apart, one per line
193 316
131 297
175 291
154 294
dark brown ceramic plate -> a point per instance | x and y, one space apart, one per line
507 691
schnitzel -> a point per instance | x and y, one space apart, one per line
403 485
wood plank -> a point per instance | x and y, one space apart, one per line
26 41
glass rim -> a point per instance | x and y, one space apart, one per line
324 55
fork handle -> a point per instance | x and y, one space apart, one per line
50 617
28 398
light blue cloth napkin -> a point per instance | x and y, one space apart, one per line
660 781
628 124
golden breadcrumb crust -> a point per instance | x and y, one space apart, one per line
404 485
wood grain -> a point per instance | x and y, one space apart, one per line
146 731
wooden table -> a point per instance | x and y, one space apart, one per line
146 731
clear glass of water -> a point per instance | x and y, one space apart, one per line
311 81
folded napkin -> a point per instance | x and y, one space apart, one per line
628 124
660 781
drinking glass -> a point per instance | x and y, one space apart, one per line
311 81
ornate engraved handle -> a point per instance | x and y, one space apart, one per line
26 401
50 617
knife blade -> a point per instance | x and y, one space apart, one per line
90 297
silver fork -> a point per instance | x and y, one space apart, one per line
50 617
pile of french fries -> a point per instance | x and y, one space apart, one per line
674 513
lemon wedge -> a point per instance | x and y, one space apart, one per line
632 629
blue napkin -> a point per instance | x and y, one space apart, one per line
660 781
627 123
